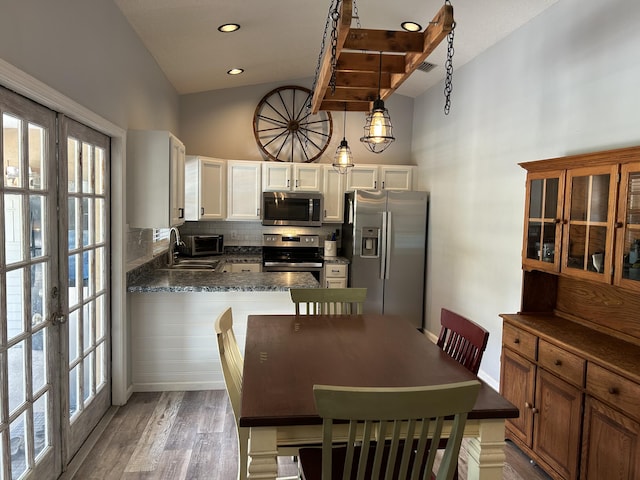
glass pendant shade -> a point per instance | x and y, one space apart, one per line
378 131
343 159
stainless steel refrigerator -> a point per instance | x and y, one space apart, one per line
385 237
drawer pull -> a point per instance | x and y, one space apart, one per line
534 410
527 405
516 340
558 362
614 390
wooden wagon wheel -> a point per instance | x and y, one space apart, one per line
286 130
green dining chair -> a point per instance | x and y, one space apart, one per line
410 419
232 366
330 301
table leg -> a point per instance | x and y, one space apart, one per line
486 452
263 451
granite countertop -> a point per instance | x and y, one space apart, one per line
154 278
336 260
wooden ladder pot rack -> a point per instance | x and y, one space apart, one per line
358 61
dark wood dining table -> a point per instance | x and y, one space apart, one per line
285 355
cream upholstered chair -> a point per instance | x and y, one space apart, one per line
232 366
332 301
409 418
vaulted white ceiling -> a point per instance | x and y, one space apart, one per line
280 40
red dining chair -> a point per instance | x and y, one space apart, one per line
463 340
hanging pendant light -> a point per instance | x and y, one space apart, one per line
343 160
378 131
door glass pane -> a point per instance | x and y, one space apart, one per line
599 198
535 198
40 425
39 360
87 168
597 242
551 198
13 223
577 243
579 198
99 171
534 234
73 165
12 150
17 384
15 303
38 288
74 337
37 209
18 447
37 156
73 392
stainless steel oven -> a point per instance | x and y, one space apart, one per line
291 253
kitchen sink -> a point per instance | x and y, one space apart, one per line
193 264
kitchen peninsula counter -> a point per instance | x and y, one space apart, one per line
172 314
207 281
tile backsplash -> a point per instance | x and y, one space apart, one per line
250 233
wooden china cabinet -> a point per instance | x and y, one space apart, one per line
571 356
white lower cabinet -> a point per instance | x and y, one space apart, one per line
241 267
334 275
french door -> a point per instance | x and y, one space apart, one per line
54 295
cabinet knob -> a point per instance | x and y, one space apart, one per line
527 405
516 340
619 225
614 390
557 220
558 362
534 410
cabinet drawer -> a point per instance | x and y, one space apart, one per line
613 389
564 364
337 270
520 341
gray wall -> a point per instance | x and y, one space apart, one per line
566 82
219 124
88 52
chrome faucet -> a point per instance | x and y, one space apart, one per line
172 252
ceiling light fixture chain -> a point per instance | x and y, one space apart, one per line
335 16
448 82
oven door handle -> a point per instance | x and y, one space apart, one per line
294 264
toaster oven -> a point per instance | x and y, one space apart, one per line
199 245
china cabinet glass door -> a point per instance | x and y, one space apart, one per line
627 269
543 228
588 219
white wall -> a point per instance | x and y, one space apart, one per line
566 82
219 124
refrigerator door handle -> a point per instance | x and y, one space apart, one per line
383 247
387 246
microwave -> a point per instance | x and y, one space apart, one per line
199 245
300 209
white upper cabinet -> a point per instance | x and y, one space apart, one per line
362 177
244 192
205 188
299 177
332 195
396 177
380 177
155 179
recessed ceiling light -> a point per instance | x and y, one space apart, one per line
229 27
411 26
235 71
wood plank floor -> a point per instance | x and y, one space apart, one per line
191 435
